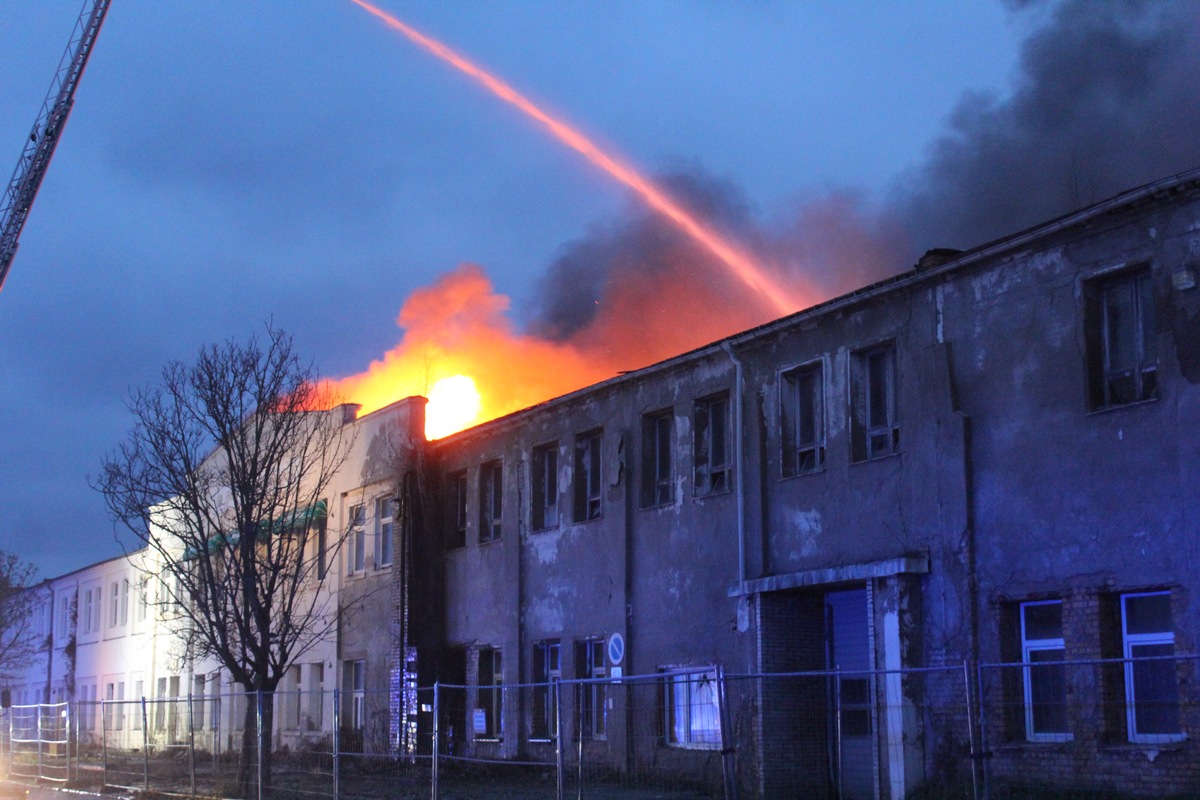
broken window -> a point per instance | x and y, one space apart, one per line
491 501
1151 680
547 671
1045 679
545 487
489 722
587 476
873 407
590 664
712 454
1121 347
658 486
456 509
802 420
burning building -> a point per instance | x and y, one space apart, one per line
934 532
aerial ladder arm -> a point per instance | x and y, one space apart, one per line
39 147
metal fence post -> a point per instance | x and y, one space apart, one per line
728 751
145 746
579 749
337 746
436 742
191 744
984 790
40 768
103 743
258 736
558 737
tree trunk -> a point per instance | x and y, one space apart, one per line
248 762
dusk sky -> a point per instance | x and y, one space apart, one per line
229 163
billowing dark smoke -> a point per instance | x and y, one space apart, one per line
1108 99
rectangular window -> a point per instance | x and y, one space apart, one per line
1151 681
139 693
356 539
588 480
547 671
356 687
491 501
711 454
456 509
545 487
692 713
63 624
1045 679
589 663
873 410
315 707
489 722
141 602
658 482
384 527
802 420
1122 351
322 547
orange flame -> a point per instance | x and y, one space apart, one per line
741 265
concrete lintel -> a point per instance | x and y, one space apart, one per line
904 565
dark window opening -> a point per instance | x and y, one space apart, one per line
587 476
802 420
658 487
712 454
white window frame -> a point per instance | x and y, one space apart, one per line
385 522
681 685
356 538
1128 642
358 693
1028 648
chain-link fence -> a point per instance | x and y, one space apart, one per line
949 732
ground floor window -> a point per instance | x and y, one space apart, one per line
547 671
589 663
489 708
692 712
1044 677
1151 682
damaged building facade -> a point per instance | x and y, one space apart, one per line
938 530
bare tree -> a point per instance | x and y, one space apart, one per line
18 602
222 481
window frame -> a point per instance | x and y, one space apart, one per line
658 468
791 404
589 476
384 530
591 664
356 537
1100 304
489 691
544 489
871 438
547 671
491 501
688 677
456 509
707 472
1129 641
1028 648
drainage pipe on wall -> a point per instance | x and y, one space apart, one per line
739 471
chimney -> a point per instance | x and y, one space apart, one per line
935 258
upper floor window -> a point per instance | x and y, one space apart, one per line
491 501
456 510
1122 352
1151 677
873 407
802 420
356 537
118 612
384 528
712 455
545 487
658 484
587 476
1045 679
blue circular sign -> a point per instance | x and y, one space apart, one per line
616 649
